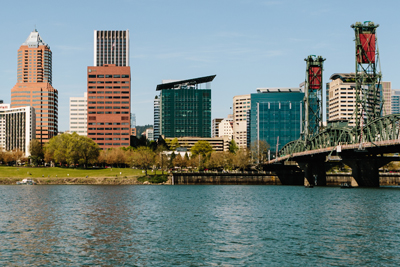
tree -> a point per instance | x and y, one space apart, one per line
143 158
72 149
17 155
180 161
259 150
36 151
233 147
173 144
202 148
216 161
85 148
241 159
56 148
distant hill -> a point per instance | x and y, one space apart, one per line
141 129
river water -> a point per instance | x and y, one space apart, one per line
198 226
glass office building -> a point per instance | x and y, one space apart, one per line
275 112
185 109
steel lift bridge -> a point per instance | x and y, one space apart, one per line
361 147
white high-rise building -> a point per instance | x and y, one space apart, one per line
241 104
17 128
78 115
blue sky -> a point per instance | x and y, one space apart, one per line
247 44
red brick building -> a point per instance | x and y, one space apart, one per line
109 105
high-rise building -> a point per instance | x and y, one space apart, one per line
109 105
111 47
17 128
109 90
395 101
341 97
387 98
34 85
185 109
156 118
78 115
241 104
275 116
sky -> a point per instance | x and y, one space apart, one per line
248 44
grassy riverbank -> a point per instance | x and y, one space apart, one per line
56 175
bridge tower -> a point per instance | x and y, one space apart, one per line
368 75
312 120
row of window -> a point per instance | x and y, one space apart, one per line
108 112
110 129
108 133
109 82
109 102
113 144
109 123
109 97
108 107
108 92
108 76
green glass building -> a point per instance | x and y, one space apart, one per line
185 109
275 113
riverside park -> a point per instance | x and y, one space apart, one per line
57 175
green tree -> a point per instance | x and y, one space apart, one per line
233 147
241 159
173 144
143 158
56 149
202 148
87 150
72 149
36 151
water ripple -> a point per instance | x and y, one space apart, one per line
198 226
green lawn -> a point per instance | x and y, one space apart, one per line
24 172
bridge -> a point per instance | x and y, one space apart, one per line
364 149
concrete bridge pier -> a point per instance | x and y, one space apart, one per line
365 170
288 173
314 171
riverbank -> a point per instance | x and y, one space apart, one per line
77 181
69 176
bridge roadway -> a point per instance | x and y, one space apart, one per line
313 164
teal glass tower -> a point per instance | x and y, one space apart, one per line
275 116
185 109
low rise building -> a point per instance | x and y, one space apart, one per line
17 128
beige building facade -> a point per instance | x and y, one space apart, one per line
241 104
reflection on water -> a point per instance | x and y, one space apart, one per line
198 225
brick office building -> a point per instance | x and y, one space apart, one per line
109 105
34 85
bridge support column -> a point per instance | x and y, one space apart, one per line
314 171
290 177
365 171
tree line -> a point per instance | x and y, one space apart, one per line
75 150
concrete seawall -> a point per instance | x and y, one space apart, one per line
386 179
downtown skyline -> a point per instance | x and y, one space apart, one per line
247 44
